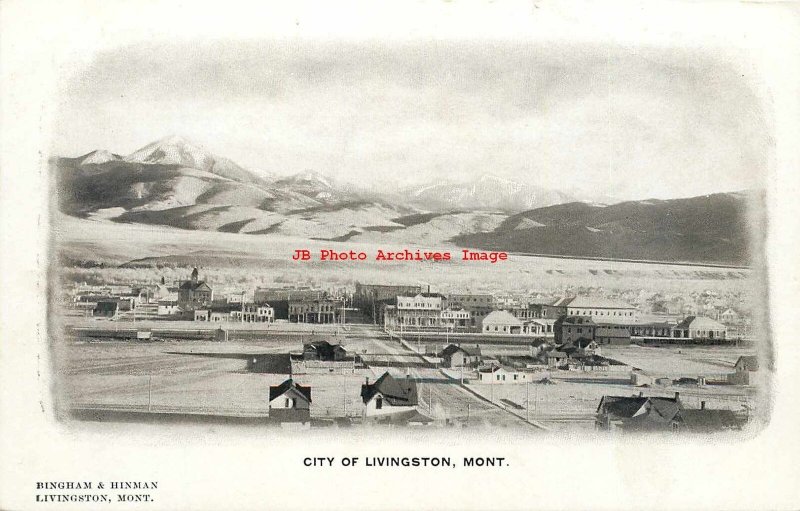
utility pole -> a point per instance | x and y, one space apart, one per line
527 401
344 391
149 392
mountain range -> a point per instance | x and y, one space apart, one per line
177 183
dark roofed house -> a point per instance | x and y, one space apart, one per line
744 366
747 363
290 402
389 395
106 309
556 358
324 351
454 355
637 413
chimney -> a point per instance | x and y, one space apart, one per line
641 394
702 405
367 378
429 288
677 395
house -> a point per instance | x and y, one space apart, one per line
201 314
194 293
729 316
501 322
106 308
556 358
290 402
455 355
699 328
612 334
498 374
637 413
324 351
389 395
745 365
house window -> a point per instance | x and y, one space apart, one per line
378 403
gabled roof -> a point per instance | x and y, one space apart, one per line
556 354
279 390
748 362
450 349
501 318
397 392
621 407
700 323
194 286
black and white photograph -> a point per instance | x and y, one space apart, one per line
306 236
448 234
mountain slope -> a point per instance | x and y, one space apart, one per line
712 228
486 193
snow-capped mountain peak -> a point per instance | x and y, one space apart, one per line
173 150
98 157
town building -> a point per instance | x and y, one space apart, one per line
279 298
698 328
422 311
569 329
255 313
371 298
501 375
478 306
168 308
194 293
601 310
612 334
501 322
455 320
320 311
455 355
290 402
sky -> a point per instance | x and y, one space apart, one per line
597 121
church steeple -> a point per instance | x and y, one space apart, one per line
195 276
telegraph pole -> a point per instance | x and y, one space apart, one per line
527 401
149 392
